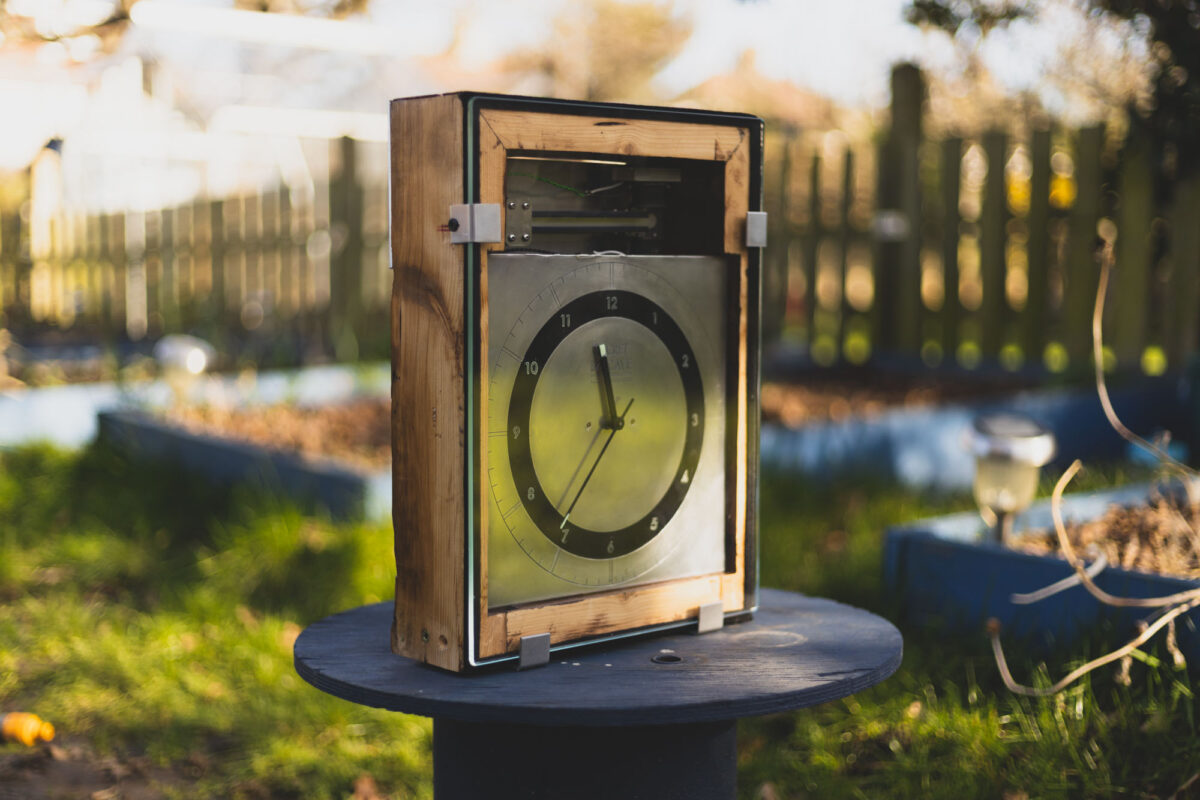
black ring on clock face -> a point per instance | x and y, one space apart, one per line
601 305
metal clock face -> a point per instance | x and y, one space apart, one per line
630 510
605 422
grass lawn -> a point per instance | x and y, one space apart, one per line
151 618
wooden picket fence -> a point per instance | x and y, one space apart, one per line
969 252
272 276
979 252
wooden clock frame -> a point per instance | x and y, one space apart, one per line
452 149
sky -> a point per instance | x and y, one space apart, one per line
241 68
842 49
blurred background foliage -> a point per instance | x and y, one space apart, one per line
218 168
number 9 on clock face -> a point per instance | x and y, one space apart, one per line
606 418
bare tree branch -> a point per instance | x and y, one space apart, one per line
1076 674
1059 586
1106 265
1068 551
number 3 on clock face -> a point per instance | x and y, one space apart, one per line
606 422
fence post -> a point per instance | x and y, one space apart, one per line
152 268
1033 339
908 92
345 269
136 312
1130 308
951 184
844 247
119 265
10 229
186 267
992 220
271 254
897 301
885 254
236 260
812 243
289 267
168 281
216 257
1183 294
251 307
1082 273
90 253
775 278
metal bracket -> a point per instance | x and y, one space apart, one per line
711 618
535 651
756 229
518 223
474 222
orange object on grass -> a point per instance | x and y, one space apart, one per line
27 729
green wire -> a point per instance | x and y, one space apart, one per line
552 183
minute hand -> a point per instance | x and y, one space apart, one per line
618 423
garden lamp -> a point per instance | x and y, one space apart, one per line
183 359
1010 450
183 353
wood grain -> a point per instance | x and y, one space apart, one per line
737 205
608 612
531 130
428 387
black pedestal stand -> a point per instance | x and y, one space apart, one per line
648 718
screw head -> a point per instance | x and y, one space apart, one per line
512 237
512 204
524 237
525 205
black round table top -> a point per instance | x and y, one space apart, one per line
797 651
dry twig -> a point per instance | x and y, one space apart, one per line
1106 265
1076 674
1068 551
1092 571
1176 604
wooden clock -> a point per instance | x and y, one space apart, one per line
575 371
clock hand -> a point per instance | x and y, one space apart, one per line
618 424
587 456
607 402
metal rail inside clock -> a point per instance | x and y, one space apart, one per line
480 222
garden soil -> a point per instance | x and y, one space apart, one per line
1160 537
359 432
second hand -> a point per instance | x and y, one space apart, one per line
618 424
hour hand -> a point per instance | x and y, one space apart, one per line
608 403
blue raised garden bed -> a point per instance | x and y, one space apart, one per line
923 448
66 415
944 576
342 492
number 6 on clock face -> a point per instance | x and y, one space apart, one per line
610 385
